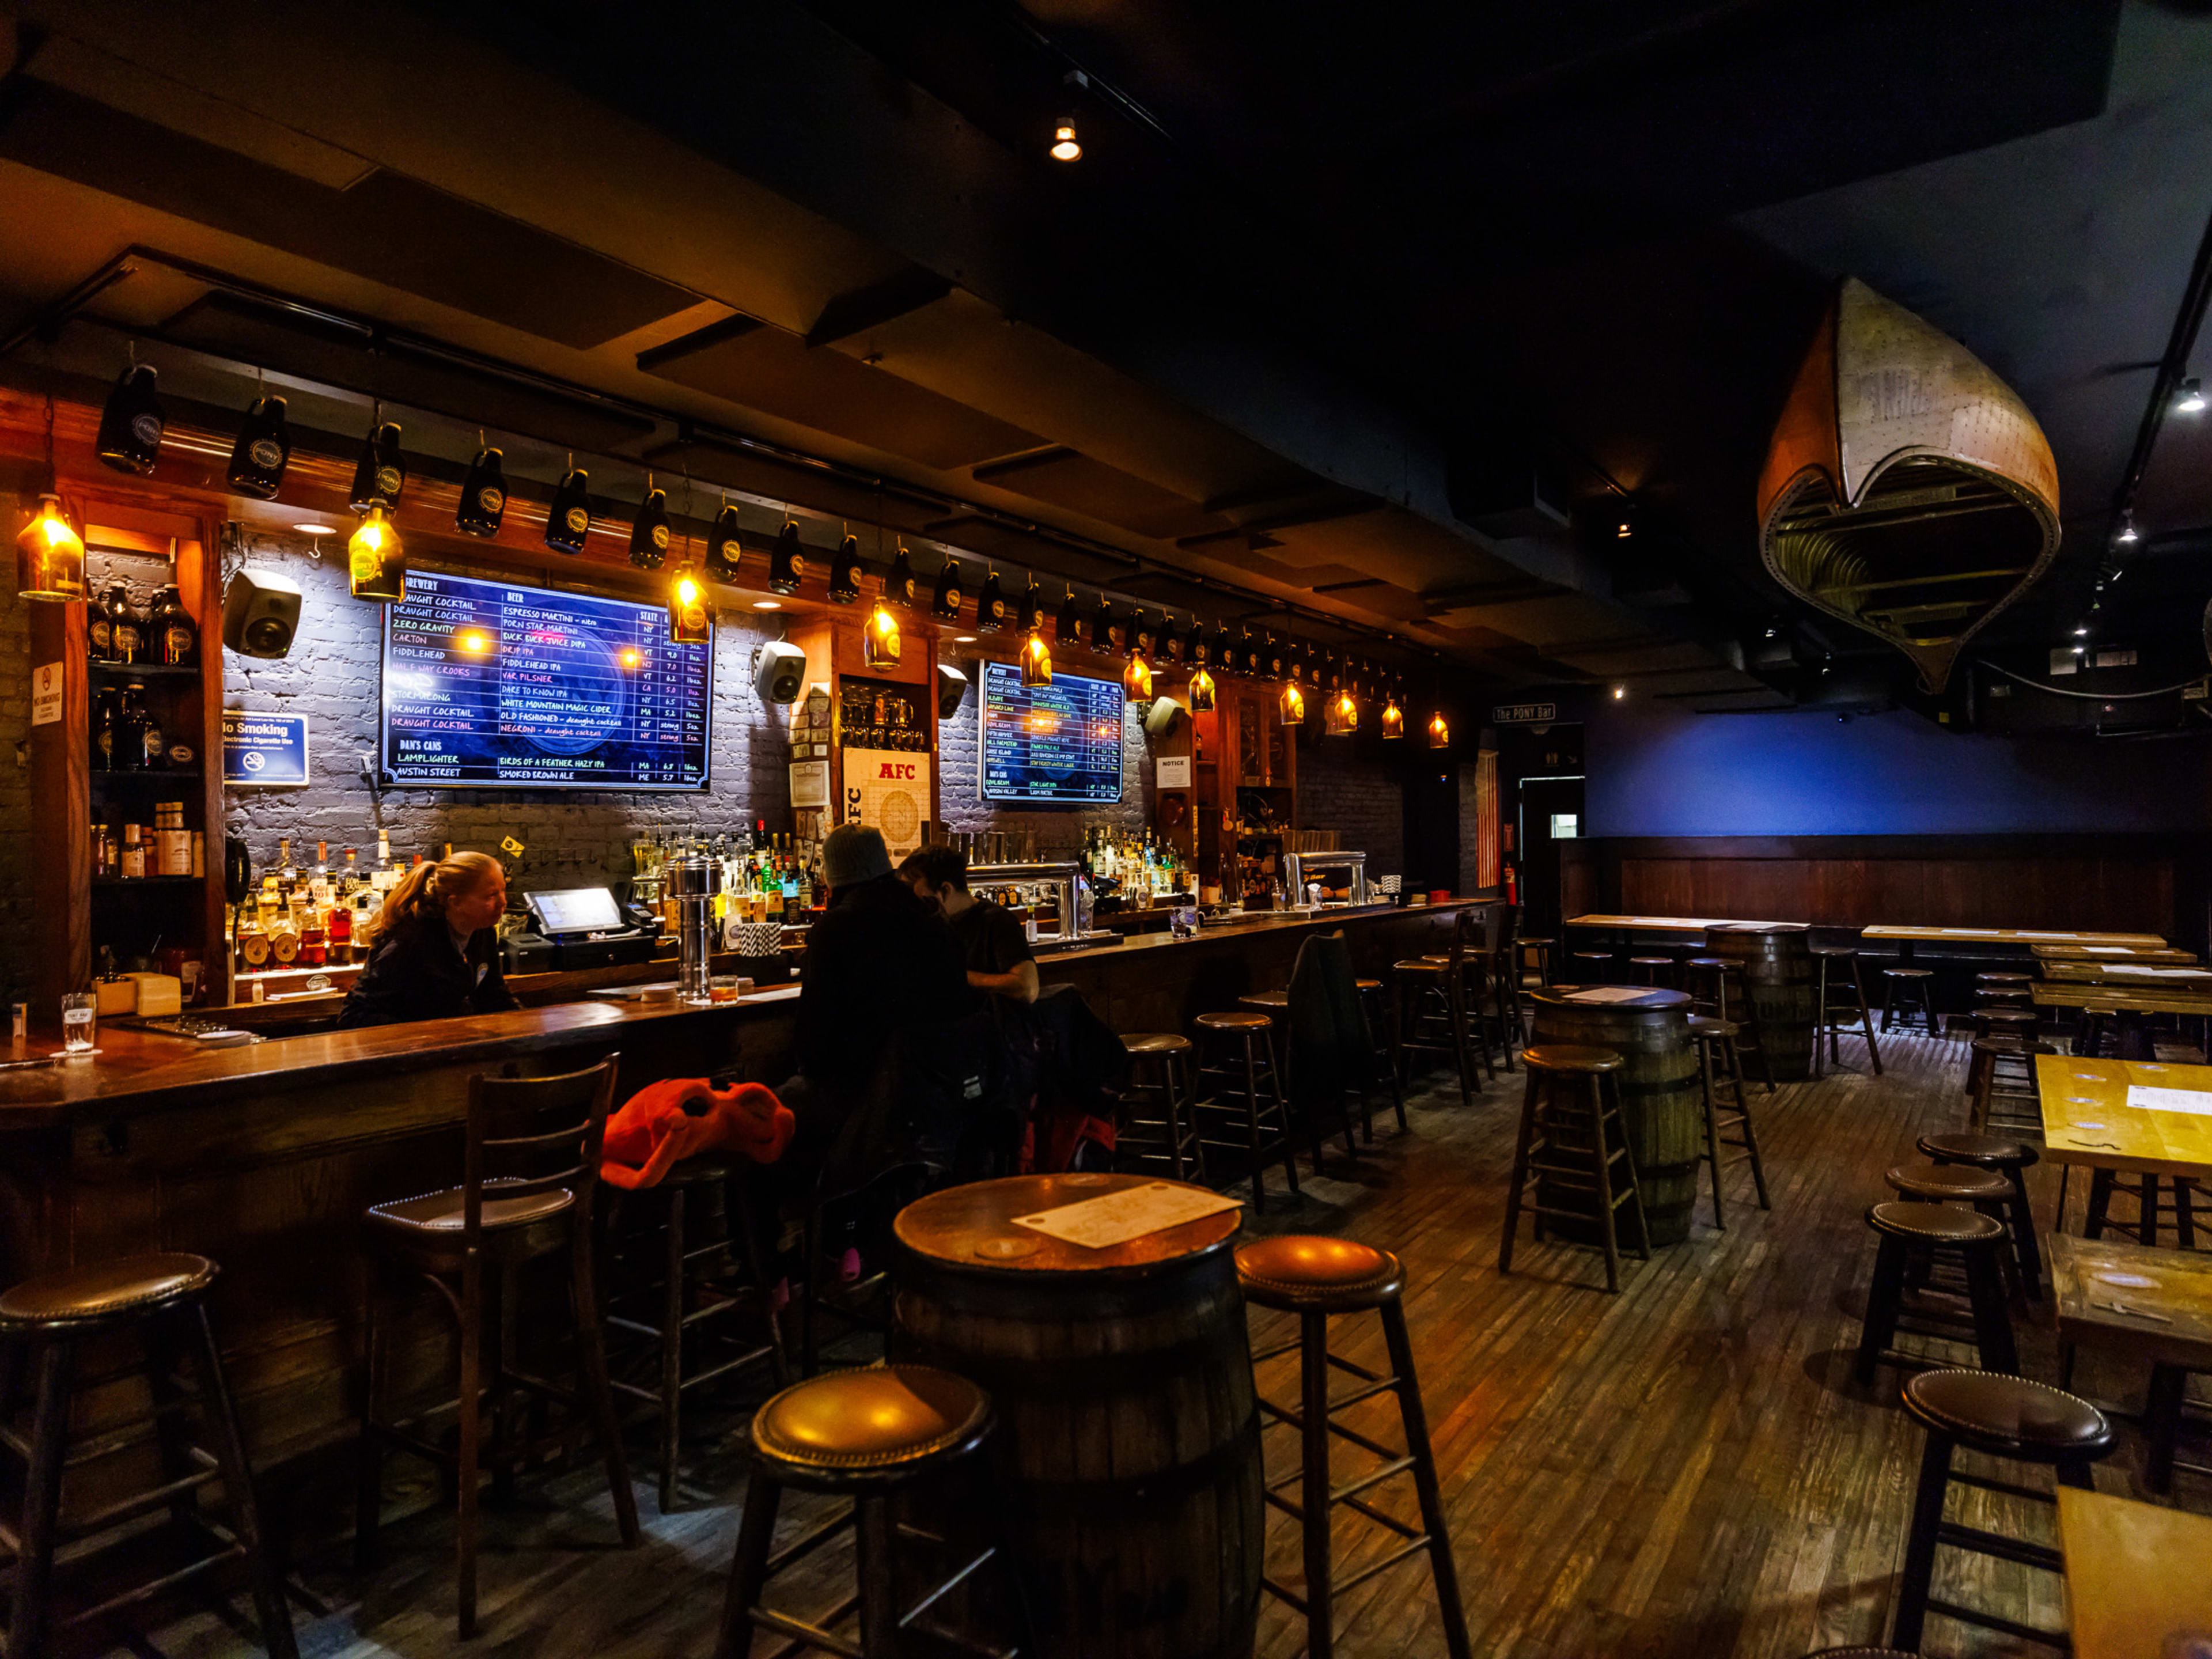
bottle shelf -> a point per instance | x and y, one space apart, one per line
101 884
143 671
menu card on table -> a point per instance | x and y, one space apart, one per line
2170 1100
1610 993
1098 1223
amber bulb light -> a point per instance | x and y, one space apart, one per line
49 561
1342 718
1439 733
1137 681
1202 693
879 645
1292 703
1393 719
1066 146
1036 661
376 562
689 620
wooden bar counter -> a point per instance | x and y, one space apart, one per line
265 1156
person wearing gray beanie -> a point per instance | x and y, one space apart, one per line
852 853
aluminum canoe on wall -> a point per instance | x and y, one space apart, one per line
1907 489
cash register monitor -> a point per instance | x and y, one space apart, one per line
571 910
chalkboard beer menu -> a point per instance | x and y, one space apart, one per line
496 683
1060 742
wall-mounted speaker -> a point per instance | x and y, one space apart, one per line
1161 717
260 613
951 687
779 673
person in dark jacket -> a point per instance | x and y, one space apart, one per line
434 953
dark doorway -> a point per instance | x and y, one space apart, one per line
1539 778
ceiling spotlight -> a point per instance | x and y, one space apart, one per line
1618 692
1065 145
2192 400
964 639
316 529
767 604
2127 535
2080 631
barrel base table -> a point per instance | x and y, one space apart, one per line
1781 981
1127 1450
1662 1099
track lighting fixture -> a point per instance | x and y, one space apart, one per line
262 451
2127 535
648 535
131 424
483 506
376 562
725 546
1065 146
787 561
568 520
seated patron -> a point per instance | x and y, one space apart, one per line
434 950
995 945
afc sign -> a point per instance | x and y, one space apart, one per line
897 771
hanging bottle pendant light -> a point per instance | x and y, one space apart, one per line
1201 692
569 521
380 475
376 563
690 617
1394 718
990 605
1440 731
648 535
845 571
1290 703
1036 661
262 451
726 548
49 555
879 643
1340 718
787 564
483 506
132 422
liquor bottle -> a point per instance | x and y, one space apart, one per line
176 637
568 520
98 631
790 875
648 535
349 879
341 934
483 496
382 472
385 875
315 938
283 938
133 867
130 425
319 878
262 451
107 726
725 546
152 751
126 632
252 941
285 878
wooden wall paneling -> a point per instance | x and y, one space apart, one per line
61 819
1487 873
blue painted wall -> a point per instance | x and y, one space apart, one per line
1654 770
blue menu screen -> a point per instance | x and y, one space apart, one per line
1057 743
494 684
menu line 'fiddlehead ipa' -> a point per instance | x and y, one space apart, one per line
1907 490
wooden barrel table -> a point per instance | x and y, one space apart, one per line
1779 978
1663 1102
1129 1445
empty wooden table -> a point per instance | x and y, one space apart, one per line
2047 952
2125 1006
2129 975
1128 1432
1907 937
2136 1575
1663 924
2091 1115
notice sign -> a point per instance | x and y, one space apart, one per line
1172 771
889 788
46 694
269 751
1524 714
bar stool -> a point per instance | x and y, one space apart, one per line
488 1229
1708 980
699 1286
2181 1194
1573 1140
1911 1235
1276 1005
1593 967
1232 1038
2008 1159
2006 1417
2005 999
871 1436
1653 967
2003 984
1541 950
161 1301
1169 1055
2005 1096
1905 994
1432 1020
1314 1278
1384 1042
1982 1190
2162 1413
1840 971
2021 1024
1720 1072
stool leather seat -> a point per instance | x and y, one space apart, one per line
1265 1000
1315 1273
1838 951
1571 1057
1707 962
1234 1022
1421 965
2002 979
126 1287
1909 973
887 1419
1706 1025
1963 1146
1366 984
1934 1223
1157 1042
2009 1416
1941 1182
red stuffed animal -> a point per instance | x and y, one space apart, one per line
665 1122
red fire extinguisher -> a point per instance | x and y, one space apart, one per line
1512 885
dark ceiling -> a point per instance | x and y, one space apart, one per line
1346 309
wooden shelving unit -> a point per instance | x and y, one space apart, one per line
147 547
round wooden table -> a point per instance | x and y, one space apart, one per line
1663 1102
1128 1444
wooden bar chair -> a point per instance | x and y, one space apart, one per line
1905 996
1720 1070
1432 1011
470 1242
1172 1137
1236 1051
1911 1236
1839 973
1382 1035
1314 1278
1573 1144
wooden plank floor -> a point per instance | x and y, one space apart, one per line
1684 1470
